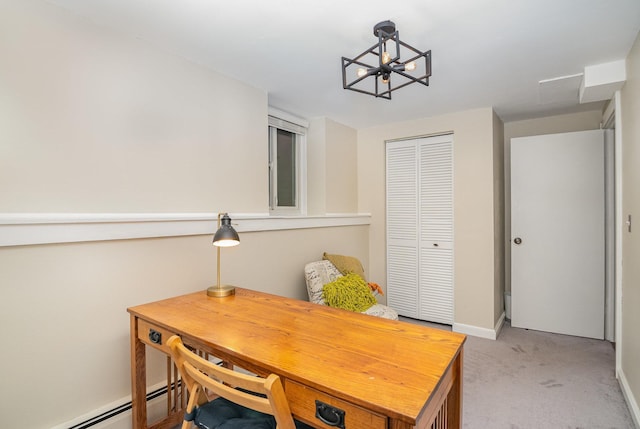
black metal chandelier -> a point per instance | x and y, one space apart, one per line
358 75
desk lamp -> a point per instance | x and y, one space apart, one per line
225 236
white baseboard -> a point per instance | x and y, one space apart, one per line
632 403
477 331
121 421
156 409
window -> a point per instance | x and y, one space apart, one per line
287 164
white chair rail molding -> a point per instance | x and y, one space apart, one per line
20 229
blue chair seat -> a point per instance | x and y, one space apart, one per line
221 413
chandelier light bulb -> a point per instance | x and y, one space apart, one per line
385 78
386 57
361 72
410 66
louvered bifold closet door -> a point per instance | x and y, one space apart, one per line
402 227
420 228
436 229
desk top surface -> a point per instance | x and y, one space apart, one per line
391 367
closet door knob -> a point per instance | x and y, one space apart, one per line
517 240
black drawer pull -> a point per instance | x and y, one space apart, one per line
329 415
155 337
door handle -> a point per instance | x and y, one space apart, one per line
517 240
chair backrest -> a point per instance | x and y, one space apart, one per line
317 274
200 374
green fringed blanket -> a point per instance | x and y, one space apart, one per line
349 292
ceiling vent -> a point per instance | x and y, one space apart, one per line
559 90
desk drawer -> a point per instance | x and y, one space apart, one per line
302 400
153 335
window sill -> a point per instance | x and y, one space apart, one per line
20 229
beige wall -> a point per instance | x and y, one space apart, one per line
63 308
342 177
631 240
93 122
474 205
333 186
317 166
581 121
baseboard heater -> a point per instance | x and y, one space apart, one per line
121 408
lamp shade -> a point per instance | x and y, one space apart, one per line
226 236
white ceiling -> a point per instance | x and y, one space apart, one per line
484 52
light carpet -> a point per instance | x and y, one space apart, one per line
529 380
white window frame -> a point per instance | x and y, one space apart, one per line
285 121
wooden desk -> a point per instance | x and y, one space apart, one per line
383 374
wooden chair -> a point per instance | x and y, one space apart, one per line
264 395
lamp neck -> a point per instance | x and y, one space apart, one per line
218 254
218 250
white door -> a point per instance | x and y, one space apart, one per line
557 233
436 229
402 227
420 228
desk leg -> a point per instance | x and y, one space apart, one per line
454 399
138 378
444 409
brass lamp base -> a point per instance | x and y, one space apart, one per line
221 291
